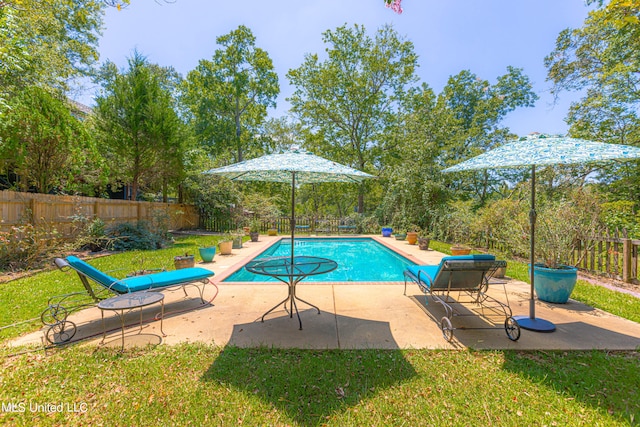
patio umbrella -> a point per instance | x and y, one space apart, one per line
296 166
542 150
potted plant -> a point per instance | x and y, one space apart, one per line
400 235
272 230
458 249
254 229
237 239
207 252
400 224
184 261
500 272
225 244
559 226
412 234
424 239
386 231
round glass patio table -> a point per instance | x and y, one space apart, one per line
291 273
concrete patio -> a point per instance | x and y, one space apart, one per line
353 316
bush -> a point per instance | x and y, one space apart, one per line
25 247
130 237
364 224
89 235
621 215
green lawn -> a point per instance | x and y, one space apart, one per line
198 384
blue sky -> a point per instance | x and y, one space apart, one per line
448 35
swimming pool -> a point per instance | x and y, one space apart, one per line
359 260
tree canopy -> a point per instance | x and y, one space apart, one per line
351 98
228 96
137 125
47 42
42 142
601 60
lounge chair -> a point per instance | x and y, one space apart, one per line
463 280
99 286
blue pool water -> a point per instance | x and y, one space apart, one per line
359 260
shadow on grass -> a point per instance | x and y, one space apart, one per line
310 385
604 380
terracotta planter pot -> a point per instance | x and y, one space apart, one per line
412 237
460 251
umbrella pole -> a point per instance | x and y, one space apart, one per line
293 213
530 322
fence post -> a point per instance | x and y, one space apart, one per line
626 260
33 206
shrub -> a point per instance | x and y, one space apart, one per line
129 237
560 224
90 235
25 247
620 215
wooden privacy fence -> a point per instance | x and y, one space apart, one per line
61 212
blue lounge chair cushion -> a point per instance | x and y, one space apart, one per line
91 272
165 279
424 272
478 257
139 283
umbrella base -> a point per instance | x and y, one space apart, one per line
535 324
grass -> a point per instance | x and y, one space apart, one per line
24 299
197 384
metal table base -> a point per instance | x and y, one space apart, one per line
125 303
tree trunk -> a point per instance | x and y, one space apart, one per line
164 191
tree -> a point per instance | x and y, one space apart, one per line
602 59
136 124
228 96
603 53
46 42
42 142
351 99
415 187
477 108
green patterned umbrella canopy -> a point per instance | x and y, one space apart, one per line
544 150
540 150
307 167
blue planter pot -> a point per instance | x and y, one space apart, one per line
207 253
386 231
554 284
